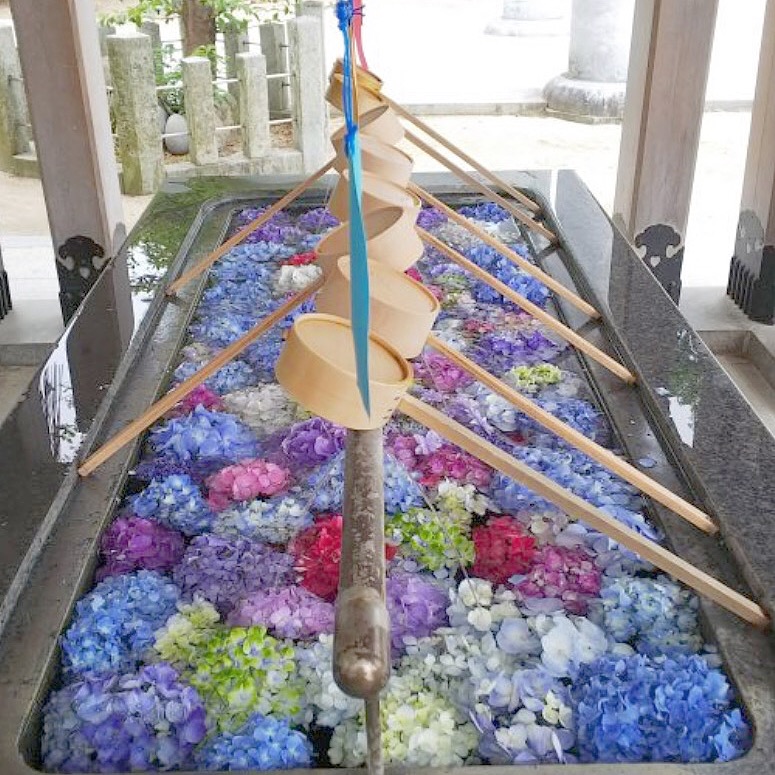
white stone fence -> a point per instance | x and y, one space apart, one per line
282 83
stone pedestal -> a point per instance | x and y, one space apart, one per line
752 271
593 88
531 18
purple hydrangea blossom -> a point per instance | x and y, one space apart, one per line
226 570
417 607
313 442
116 723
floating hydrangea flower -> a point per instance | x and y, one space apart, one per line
457 499
233 376
569 643
161 466
313 442
226 570
317 551
175 502
655 615
325 703
132 543
416 606
499 352
450 462
242 671
408 448
530 379
246 480
485 211
438 372
420 729
274 521
116 723
430 218
261 743
569 575
316 220
114 624
265 408
664 709
204 434
502 550
294 278
401 489
199 396
186 632
425 536
287 612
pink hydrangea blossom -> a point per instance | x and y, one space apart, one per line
244 481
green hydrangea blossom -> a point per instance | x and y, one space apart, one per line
436 540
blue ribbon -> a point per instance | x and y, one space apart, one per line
359 269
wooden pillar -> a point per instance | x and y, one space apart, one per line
63 76
668 73
752 271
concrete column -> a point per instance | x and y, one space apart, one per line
315 9
752 271
531 18
274 46
594 86
200 109
669 65
136 111
235 41
310 116
15 131
60 58
254 104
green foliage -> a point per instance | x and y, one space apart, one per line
232 15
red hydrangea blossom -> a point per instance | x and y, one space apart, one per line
317 551
503 549
199 396
302 259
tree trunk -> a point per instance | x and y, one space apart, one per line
197 26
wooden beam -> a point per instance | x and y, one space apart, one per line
604 456
244 232
164 404
578 508
482 189
568 334
507 252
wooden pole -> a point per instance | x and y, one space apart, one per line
568 334
508 253
602 455
578 508
482 170
164 404
482 189
208 261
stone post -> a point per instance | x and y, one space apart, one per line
594 86
315 9
152 30
531 18
15 131
274 46
254 104
235 41
136 111
752 271
669 64
310 116
60 57
200 109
